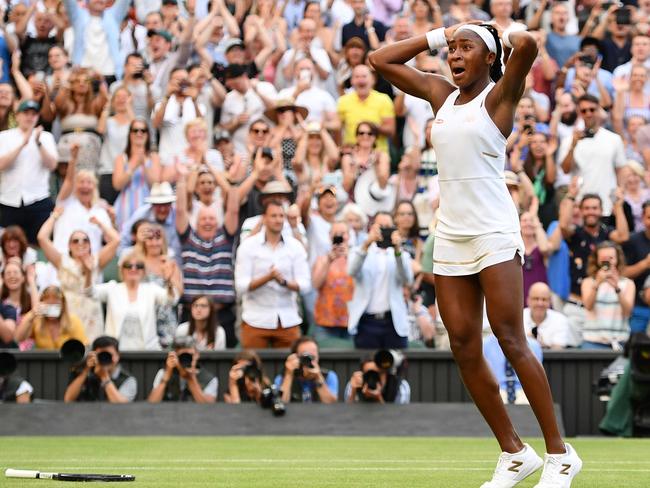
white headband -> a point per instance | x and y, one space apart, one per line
483 33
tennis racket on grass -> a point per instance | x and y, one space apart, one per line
26 473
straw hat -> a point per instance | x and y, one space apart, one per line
161 193
284 104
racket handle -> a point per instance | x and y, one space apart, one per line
21 473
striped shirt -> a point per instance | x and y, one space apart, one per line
208 266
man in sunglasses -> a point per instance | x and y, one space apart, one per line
594 153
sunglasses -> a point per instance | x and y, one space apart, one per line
587 110
138 266
139 130
282 110
80 240
364 133
156 234
260 131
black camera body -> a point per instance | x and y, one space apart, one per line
371 379
337 240
252 371
104 358
185 360
307 360
272 399
386 233
589 133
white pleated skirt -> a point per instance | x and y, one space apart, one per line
464 257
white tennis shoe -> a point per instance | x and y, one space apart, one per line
560 469
513 468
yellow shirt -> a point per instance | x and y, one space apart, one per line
352 110
43 339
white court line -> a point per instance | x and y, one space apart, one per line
194 461
313 468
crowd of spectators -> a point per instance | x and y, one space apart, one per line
201 175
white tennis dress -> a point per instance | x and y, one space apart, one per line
478 223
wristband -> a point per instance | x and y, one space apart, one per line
514 27
436 38
105 383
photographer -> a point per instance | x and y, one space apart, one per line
304 380
374 384
101 378
13 388
246 379
181 380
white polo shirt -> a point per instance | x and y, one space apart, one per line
27 180
553 331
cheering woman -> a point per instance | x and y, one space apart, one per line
478 249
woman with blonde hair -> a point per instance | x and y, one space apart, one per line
79 108
131 305
197 153
51 324
158 265
78 201
79 267
608 298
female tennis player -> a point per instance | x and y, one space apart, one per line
478 250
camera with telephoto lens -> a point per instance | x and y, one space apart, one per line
104 358
389 359
8 364
272 399
371 379
252 371
306 360
185 360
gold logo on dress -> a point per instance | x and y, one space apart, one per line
515 466
565 469
438 121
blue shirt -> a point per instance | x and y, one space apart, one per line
559 278
561 48
331 381
497 360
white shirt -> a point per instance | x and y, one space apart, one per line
172 131
316 100
237 103
319 56
201 344
27 180
418 112
77 217
553 331
251 222
379 299
97 55
318 237
271 303
596 160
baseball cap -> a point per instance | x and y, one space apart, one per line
325 189
232 43
160 32
221 134
29 105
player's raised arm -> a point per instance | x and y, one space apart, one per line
390 61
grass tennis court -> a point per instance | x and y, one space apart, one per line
307 461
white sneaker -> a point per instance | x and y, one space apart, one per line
513 468
560 469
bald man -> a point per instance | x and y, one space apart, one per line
549 327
